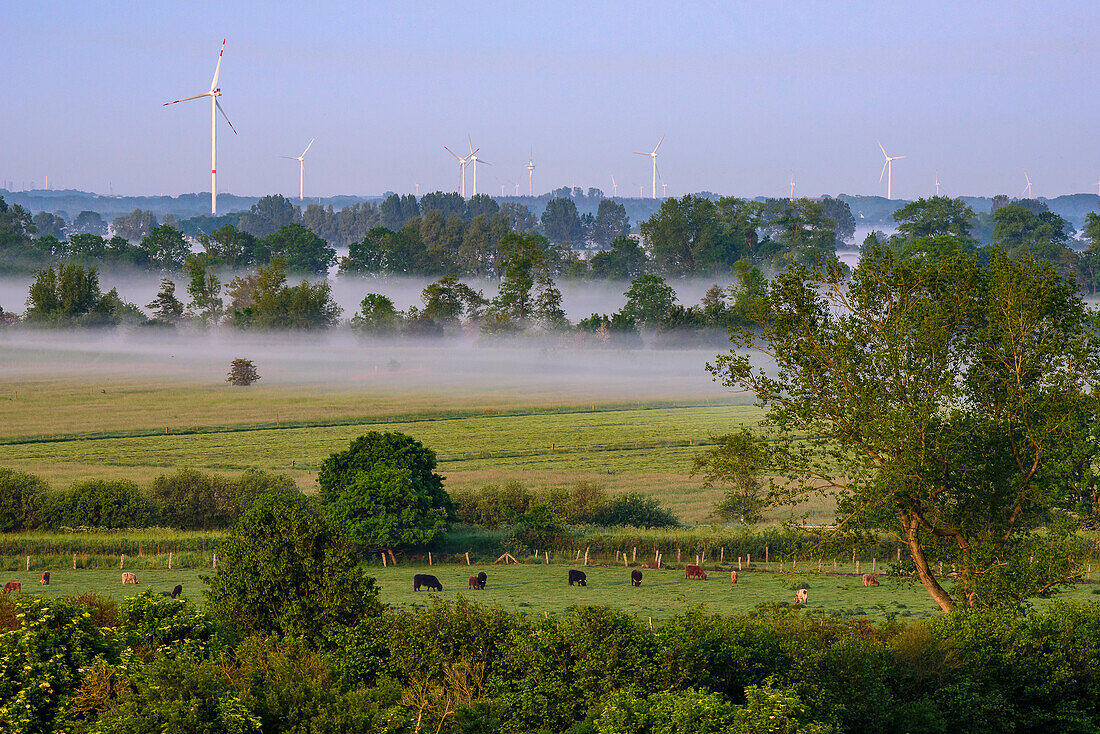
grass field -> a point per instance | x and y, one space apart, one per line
538 589
647 447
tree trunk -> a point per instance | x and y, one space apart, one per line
916 550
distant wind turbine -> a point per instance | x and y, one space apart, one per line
517 188
653 156
792 188
937 184
614 187
888 169
1027 189
215 108
531 173
463 161
301 169
474 160
641 189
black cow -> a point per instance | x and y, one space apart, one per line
481 579
577 577
635 578
428 581
174 593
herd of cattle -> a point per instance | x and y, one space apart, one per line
579 578
431 583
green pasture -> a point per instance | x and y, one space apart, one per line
539 589
647 448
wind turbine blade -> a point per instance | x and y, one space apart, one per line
308 147
884 165
613 179
219 104
289 157
897 158
482 160
218 69
471 142
457 157
658 144
637 152
204 94
882 149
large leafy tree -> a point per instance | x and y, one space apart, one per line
560 222
649 300
164 248
935 216
302 250
946 403
286 569
384 490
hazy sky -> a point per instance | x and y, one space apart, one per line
747 92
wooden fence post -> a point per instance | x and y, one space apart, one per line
857 568
215 560
121 561
384 564
74 561
634 555
467 558
722 558
28 563
874 565
586 555
392 559
625 563
546 554
429 558
767 554
169 560
748 559
738 563
677 555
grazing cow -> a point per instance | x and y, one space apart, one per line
129 578
428 581
45 578
474 583
800 596
174 593
577 577
733 577
15 586
869 579
481 579
694 571
635 578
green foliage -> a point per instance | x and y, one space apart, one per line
377 315
287 570
68 294
232 248
191 500
560 222
635 510
242 372
20 497
539 524
384 490
163 248
943 402
178 694
696 235
166 308
275 305
628 711
624 260
301 250
156 624
43 661
649 300
492 505
205 290
97 503
938 216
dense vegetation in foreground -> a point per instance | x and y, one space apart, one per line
293 638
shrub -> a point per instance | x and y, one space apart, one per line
492 505
189 499
156 623
20 497
540 525
635 510
286 569
242 373
250 486
98 503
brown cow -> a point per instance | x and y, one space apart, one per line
129 578
474 583
45 578
733 577
869 579
801 595
694 571
11 586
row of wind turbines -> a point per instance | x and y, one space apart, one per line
471 158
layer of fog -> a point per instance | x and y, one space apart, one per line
340 360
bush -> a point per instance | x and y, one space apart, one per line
189 499
155 623
99 503
286 569
20 497
492 505
635 510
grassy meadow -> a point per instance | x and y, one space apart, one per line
67 430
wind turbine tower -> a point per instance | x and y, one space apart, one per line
531 173
937 184
301 169
888 170
462 163
1026 193
615 187
215 108
653 156
792 188
474 160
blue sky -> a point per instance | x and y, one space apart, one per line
748 94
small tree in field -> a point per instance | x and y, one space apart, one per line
242 372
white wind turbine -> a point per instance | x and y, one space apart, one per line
301 168
215 108
792 188
462 163
1027 189
888 170
653 156
531 174
937 184
614 187
473 160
